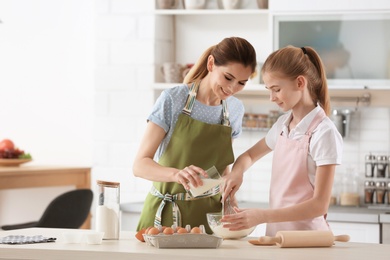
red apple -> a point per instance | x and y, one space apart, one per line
6 144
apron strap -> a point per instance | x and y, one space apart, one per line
189 105
191 99
316 121
175 208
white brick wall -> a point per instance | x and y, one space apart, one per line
124 74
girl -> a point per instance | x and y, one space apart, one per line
306 145
191 129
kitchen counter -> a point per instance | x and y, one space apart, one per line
128 247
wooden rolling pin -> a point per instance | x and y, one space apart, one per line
301 238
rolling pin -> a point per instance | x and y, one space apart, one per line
301 238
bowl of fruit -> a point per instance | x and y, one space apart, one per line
10 155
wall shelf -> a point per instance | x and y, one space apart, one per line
211 12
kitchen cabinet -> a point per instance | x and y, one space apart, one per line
358 232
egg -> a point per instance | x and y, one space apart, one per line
177 228
147 230
168 231
182 231
153 231
140 236
196 230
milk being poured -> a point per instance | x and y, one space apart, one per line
207 185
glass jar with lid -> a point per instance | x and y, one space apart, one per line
380 192
370 165
108 209
369 190
349 195
388 193
381 166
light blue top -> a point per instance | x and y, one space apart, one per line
170 103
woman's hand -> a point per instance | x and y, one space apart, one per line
243 219
190 174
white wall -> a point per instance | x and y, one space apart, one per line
46 83
76 77
47 93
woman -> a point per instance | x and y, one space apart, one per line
189 130
306 145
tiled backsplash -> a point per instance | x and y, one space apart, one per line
124 99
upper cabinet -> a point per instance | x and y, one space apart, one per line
350 35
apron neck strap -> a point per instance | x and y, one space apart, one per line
189 105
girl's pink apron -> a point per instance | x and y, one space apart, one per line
290 182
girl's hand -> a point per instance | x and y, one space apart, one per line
243 219
190 174
233 182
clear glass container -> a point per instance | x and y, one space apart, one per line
369 190
370 165
349 195
380 192
381 166
208 183
388 193
107 211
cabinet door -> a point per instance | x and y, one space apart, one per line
358 232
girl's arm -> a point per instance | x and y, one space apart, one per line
314 207
233 181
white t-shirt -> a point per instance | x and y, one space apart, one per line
326 143
171 102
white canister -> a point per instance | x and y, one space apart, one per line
194 4
167 4
231 4
108 209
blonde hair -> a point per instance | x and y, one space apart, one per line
229 50
291 62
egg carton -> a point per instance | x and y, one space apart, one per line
183 240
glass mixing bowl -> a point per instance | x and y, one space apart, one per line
215 224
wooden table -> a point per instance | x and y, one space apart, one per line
46 176
128 247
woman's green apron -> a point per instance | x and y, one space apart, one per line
192 143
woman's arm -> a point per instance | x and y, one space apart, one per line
145 167
314 207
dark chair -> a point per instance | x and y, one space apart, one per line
68 210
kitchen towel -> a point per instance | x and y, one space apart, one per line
19 239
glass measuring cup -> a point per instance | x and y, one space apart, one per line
212 181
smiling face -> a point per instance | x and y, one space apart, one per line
227 80
284 92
